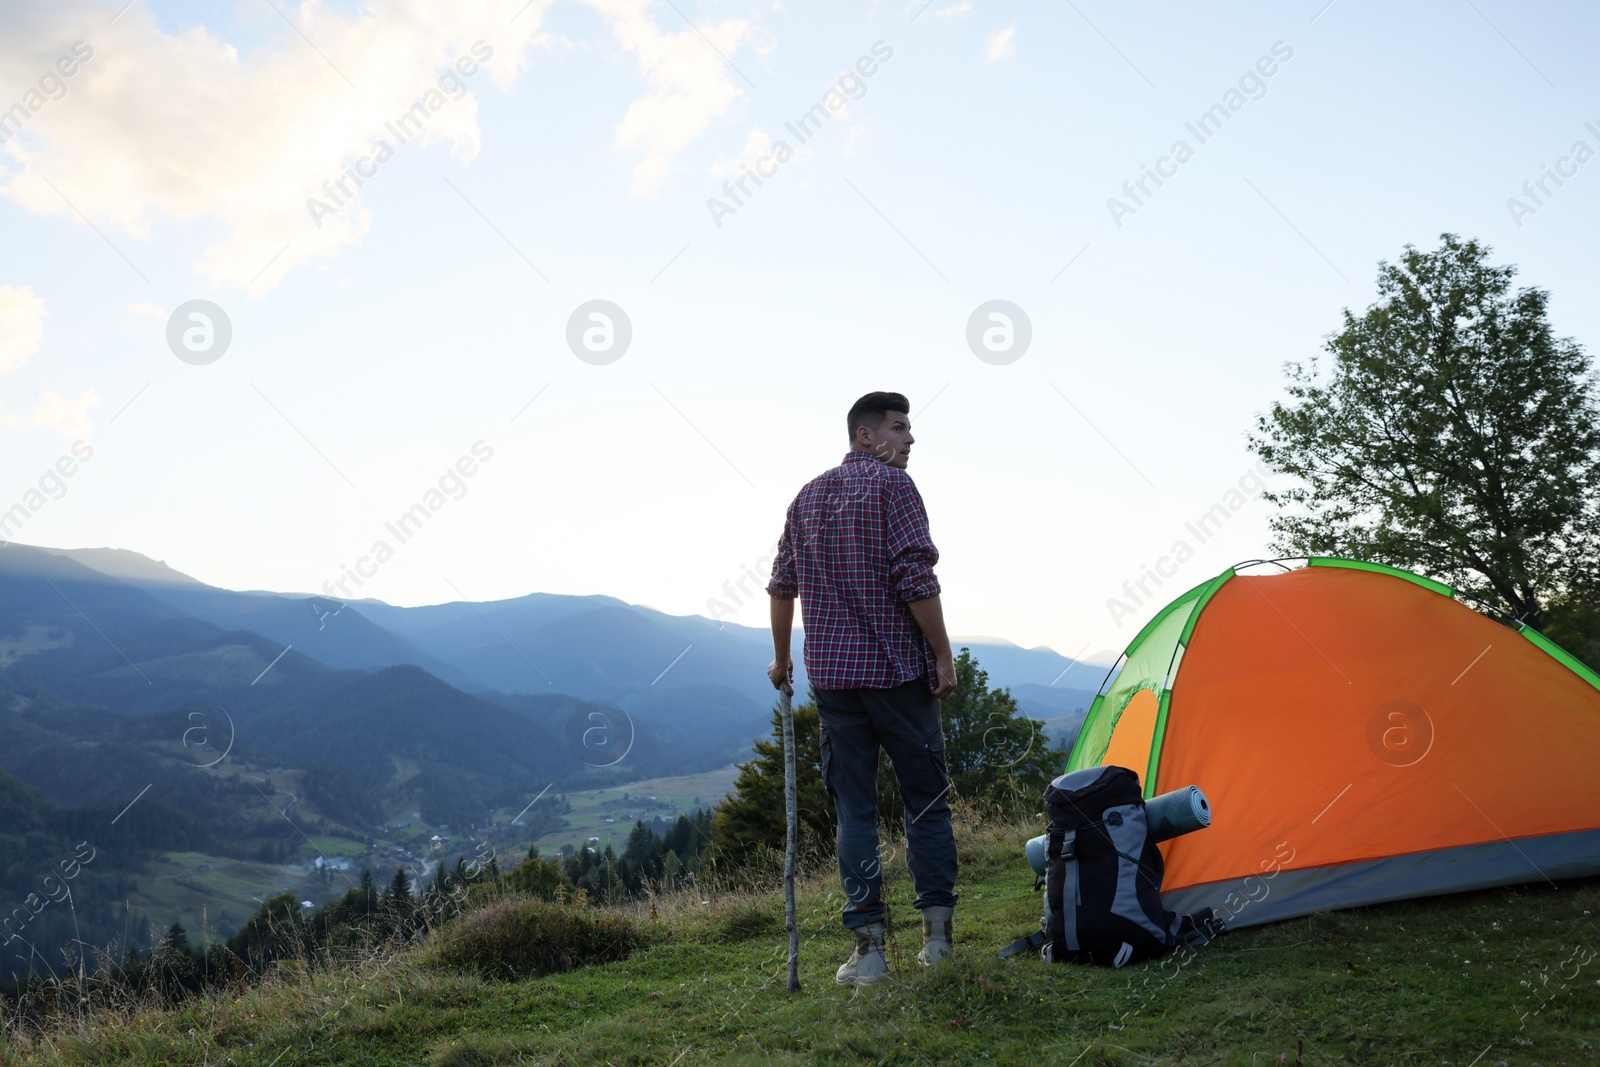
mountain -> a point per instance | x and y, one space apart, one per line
111 654
591 647
115 628
176 726
65 873
355 643
124 565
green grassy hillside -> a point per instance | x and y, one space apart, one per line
1500 976
174 888
623 804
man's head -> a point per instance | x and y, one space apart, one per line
880 423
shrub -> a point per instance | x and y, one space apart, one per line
751 919
522 938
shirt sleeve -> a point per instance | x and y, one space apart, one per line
911 550
783 582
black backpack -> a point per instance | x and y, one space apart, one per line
1102 884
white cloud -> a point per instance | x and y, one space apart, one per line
147 309
961 10
689 84
70 418
244 141
763 41
22 316
1000 44
855 134
757 144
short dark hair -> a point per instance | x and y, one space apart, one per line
872 409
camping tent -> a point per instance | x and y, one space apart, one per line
1362 736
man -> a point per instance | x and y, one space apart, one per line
856 551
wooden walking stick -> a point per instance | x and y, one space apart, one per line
786 711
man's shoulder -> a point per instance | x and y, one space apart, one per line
857 474
872 469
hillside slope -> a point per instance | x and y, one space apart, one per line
1482 978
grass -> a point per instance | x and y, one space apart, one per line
512 939
219 899
674 796
332 846
1498 976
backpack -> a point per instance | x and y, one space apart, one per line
1102 883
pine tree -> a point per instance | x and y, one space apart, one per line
752 817
176 940
671 869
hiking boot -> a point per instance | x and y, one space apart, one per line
936 935
867 964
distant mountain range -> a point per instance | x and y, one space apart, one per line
591 647
490 696
124 683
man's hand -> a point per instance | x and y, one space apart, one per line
945 667
929 616
781 669
780 672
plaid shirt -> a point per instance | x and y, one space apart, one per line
855 549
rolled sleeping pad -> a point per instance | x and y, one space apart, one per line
1169 815
1177 813
1036 854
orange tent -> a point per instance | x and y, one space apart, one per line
1362 736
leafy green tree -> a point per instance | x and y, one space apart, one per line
992 752
275 931
540 877
1574 624
1454 434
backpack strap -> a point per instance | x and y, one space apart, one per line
1062 928
1023 944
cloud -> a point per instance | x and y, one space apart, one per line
147 309
689 84
855 134
757 144
70 418
22 318
240 140
961 10
1000 44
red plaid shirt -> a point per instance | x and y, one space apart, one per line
856 550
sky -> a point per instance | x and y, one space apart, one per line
551 326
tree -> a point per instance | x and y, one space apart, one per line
177 940
399 891
540 877
752 817
991 751
671 869
1455 435
1574 624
